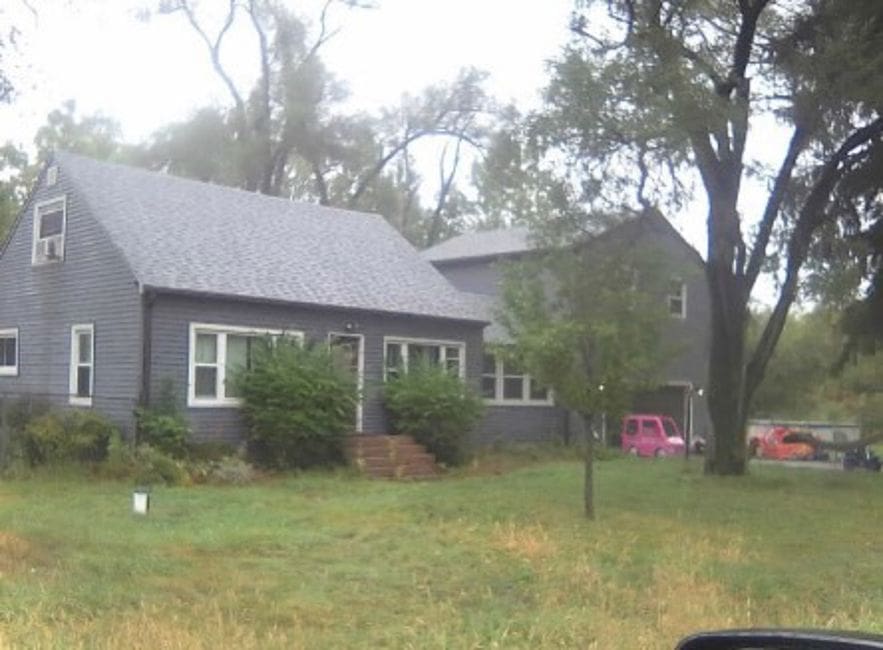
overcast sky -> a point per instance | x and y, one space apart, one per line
146 74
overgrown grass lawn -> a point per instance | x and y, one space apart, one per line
502 561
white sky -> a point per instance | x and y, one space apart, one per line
146 74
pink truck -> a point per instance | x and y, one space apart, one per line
651 435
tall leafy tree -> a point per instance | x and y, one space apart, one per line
13 187
289 133
652 95
96 135
586 322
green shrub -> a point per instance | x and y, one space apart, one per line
165 431
120 462
14 416
89 435
153 466
162 425
230 470
142 464
43 440
298 403
81 436
17 413
434 407
211 451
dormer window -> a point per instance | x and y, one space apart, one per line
677 299
49 230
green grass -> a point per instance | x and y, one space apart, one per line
473 561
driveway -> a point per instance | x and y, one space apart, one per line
799 464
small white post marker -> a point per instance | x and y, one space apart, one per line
141 501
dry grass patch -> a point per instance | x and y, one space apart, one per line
16 553
157 627
525 541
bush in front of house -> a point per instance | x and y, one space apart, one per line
167 432
434 407
14 416
162 425
143 464
298 402
79 436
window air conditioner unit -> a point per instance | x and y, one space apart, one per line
50 249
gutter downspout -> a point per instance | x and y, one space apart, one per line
148 297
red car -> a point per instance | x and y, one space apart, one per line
783 443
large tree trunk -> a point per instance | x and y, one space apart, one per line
726 454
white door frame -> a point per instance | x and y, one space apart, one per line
360 380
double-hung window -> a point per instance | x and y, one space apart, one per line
82 367
50 226
400 353
504 382
9 352
677 299
217 354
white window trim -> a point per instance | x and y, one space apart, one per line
36 230
525 400
361 378
52 176
76 330
7 371
683 297
222 330
406 341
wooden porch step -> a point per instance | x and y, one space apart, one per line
395 457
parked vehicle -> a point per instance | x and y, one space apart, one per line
760 639
651 435
784 443
862 458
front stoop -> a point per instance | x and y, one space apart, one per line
384 456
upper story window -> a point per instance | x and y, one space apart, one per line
677 299
52 176
9 352
50 225
217 353
400 353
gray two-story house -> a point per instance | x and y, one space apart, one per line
517 408
116 282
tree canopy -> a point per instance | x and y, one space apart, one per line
653 97
579 333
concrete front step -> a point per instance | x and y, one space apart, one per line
384 456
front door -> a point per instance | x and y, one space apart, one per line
351 347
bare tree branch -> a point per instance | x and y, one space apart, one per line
365 180
321 184
324 35
811 216
214 47
798 142
446 183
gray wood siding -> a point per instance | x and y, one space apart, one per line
474 276
688 339
92 285
524 423
172 315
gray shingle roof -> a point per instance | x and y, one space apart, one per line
486 243
487 308
183 235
